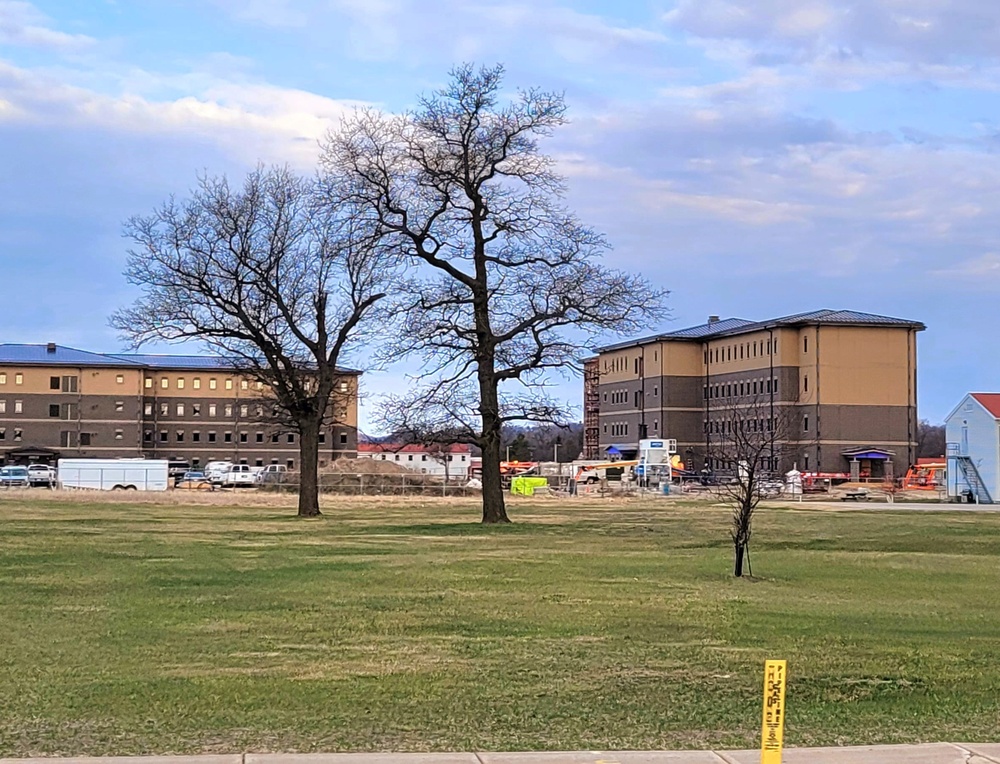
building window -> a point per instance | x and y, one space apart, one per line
180 436
806 461
423 457
244 411
147 382
54 383
195 437
229 384
290 464
211 437
164 409
260 437
196 383
258 463
805 383
229 410
805 344
163 436
119 435
180 409
211 409
18 379
180 383
3 407
18 433
164 383
322 437
244 385
212 384
259 385
274 437
3 378
228 437
147 435
243 437
805 423
291 437
18 407
195 409
119 406
343 387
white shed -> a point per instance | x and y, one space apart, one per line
972 431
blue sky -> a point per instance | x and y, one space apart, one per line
756 157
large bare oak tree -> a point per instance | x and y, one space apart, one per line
276 280
505 287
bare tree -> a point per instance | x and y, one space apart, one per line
930 439
506 288
749 439
274 281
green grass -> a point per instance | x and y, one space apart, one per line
183 629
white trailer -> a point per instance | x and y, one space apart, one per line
114 474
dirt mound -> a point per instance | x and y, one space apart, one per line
366 467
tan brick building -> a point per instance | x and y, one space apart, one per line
57 401
848 380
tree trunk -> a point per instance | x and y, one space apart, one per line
740 553
494 510
309 467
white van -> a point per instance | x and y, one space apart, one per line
113 474
215 471
237 475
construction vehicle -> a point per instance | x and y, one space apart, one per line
926 475
593 473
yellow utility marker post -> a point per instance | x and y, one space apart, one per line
773 733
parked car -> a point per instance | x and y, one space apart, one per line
41 475
176 469
272 473
14 477
215 471
237 475
193 480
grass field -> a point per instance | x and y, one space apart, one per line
176 628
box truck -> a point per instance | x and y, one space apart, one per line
113 474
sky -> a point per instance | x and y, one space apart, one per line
755 157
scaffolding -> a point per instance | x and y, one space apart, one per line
591 408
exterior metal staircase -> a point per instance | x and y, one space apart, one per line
968 470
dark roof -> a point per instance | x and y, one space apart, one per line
64 356
728 327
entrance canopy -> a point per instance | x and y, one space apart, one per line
880 454
32 454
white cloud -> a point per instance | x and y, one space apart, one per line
247 120
24 25
919 31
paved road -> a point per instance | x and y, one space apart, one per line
882 506
931 753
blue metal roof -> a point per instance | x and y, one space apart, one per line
64 356
732 326
59 356
155 361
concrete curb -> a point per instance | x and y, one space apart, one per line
928 753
